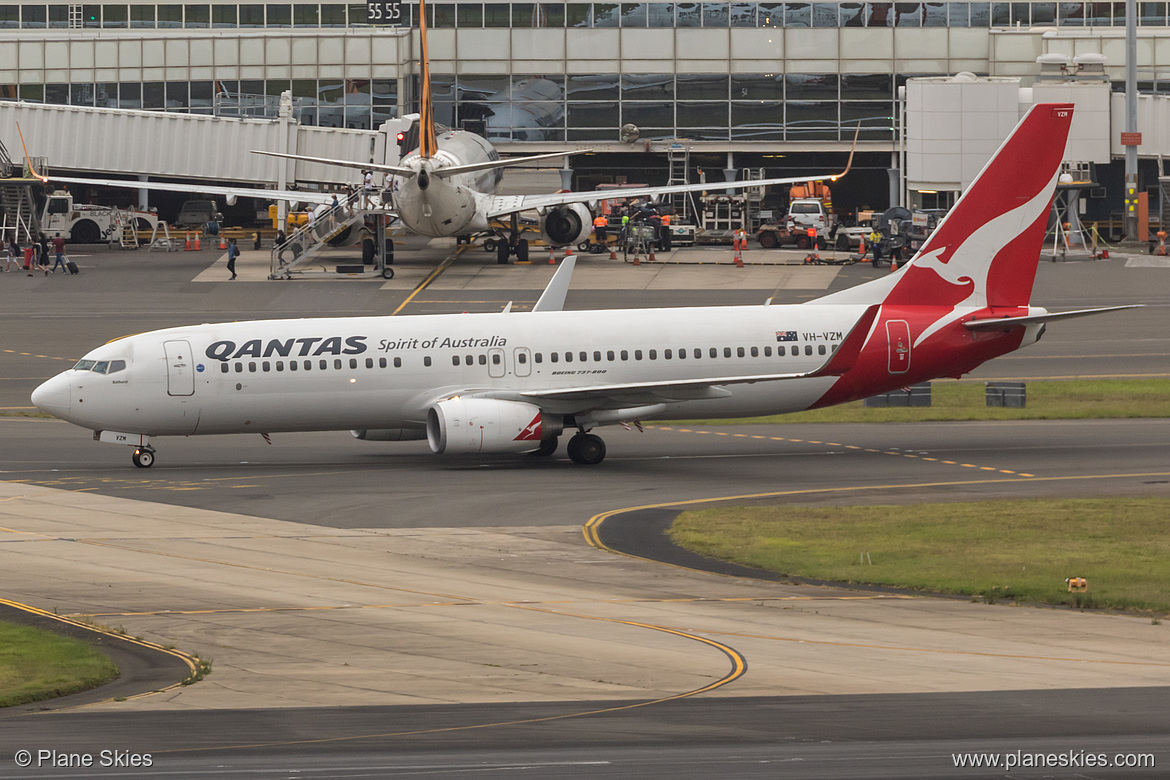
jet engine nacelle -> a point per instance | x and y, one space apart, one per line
389 434
472 425
566 225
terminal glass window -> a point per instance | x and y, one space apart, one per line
702 86
634 14
879 14
907 14
853 14
251 16
278 15
305 16
153 95
198 16
578 15
223 16
688 15
469 14
958 15
648 86
538 15
170 16
202 97
807 120
129 95
715 14
1000 14
115 17
333 15
824 15
606 14
58 16
877 120
9 16
81 94
742 14
141 16
755 86
757 120
177 95
867 86
811 86
496 15
57 94
33 16
1152 13
660 15
1021 14
935 15
797 15
770 14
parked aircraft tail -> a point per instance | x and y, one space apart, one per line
428 142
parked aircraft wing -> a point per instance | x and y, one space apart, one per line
397 170
303 196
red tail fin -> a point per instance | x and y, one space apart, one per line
985 251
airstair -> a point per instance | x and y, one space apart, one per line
678 156
18 201
307 243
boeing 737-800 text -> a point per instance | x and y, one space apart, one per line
512 382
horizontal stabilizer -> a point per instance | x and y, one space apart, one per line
397 170
455 170
1003 323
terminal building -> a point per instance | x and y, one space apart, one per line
720 89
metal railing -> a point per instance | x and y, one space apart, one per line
310 238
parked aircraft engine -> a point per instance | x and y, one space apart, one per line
472 425
566 225
389 434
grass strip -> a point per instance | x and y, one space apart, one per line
1048 400
36 664
994 549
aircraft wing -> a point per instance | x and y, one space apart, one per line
502 205
302 196
1007 323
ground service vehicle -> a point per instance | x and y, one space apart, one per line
85 223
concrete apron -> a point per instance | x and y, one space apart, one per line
298 615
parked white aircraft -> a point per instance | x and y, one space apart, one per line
512 382
447 186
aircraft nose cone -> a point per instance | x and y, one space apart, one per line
53 396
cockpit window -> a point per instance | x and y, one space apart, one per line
100 366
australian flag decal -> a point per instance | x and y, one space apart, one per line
786 335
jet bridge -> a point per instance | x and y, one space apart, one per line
103 142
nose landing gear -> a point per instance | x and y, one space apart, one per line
143 457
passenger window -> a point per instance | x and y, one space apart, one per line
427 361
495 360
538 357
84 365
251 366
609 356
834 347
597 357
755 351
381 362
101 366
280 365
682 354
714 352
521 358
353 362
653 354
483 360
583 356
568 357
808 349
698 353
324 364
454 360
369 362
739 351
266 366
292 365
625 355
637 354
469 359
239 368
337 364
727 352
768 352
667 354
398 362
308 365
554 356
781 351
223 368
821 349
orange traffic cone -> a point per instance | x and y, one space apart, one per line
612 252
636 260
222 242
893 264
197 247
552 259
650 256
738 259
187 244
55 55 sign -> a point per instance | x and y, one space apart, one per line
384 12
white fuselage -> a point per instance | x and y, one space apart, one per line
436 207
385 372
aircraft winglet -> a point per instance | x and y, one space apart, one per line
553 297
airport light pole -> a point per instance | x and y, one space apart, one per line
1131 128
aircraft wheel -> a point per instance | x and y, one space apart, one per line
522 251
502 252
547 447
489 245
143 458
586 449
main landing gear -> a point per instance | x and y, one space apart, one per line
587 449
143 457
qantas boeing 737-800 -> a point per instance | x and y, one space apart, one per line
512 382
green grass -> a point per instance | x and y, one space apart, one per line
37 665
997 549
1048 400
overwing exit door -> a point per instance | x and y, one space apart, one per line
180 374
898 338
